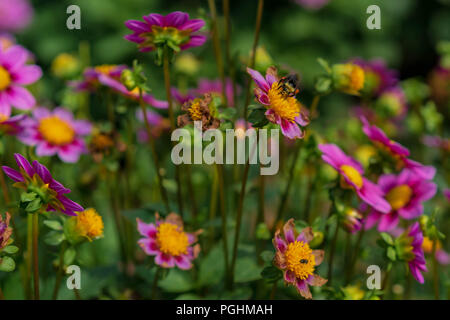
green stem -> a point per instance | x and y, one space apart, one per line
192 200
35 255
332 253
217 48
151 143
385 283
253 54
273 291
435 271
239 214
59 274
213 206
313 108
28 256
155 282
260 216
354 256
223 214
285 195
230 64
166 69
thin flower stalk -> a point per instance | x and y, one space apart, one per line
35 256
253 54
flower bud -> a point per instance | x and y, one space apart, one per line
348 78
65 65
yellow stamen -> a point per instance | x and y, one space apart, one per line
427 245
56 131
399 196
105 68
195 112
171 239
353 175
89 224
5 78
286 107
300 260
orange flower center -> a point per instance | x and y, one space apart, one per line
194 111
299 259
56 131
399 196
353 175
5 78
284 106
171 239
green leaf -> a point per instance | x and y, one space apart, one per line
7 264
10 249
53 224
227 114
271 274
54 238
33 206
324 64
258 118
323 84
247 270
387 238
176 281
69 255
212 268
391 254
27 196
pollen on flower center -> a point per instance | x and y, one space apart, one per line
89 224
56 131
300 260
105 68
353 175
194 111
284 106
171 239
5 78
399 196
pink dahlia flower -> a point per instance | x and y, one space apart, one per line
109 76
396 150
296 259
406 194
56 191
14 74
56 132
168 242
312 4
15 15
377 76
174 30
417 262
351 172
10 125
286 111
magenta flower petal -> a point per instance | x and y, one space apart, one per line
149 246
193 25
27 75
20 98
13 174
259 79
164 260
183 262
146 229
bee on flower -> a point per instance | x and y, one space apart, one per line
278 97
168 242
296 259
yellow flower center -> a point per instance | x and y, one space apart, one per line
194 111
427 245
284 106
105 68
171 239
353 175
89 224
399 196
300 260
5 78
56 131
356 78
